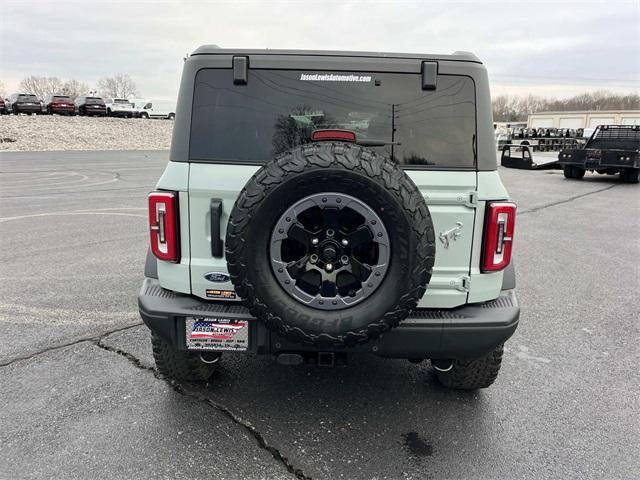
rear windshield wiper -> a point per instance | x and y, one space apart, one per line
370 142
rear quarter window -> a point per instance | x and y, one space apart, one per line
279 109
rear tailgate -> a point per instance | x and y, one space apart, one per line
450 196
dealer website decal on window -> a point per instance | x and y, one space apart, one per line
332 77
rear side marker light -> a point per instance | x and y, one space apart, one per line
163 226
498 236
328 135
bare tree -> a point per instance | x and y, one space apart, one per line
119 86
508 108
40 86
2 91
504 108
74 88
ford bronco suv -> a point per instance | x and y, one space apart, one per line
322 204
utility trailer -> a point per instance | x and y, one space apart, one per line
522 156
542 139
611 149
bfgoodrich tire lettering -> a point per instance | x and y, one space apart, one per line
341 168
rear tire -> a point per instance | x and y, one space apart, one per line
144 115
573 172
172 116
472 374
180 365
630 175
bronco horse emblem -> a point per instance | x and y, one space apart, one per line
451 235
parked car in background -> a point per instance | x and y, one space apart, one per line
90 106
59 104
157 109
3 107
24 103
119 107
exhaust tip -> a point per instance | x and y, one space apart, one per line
210 357
442 365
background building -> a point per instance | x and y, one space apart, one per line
583 119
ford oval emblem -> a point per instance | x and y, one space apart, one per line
217 277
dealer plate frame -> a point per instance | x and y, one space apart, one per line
217 334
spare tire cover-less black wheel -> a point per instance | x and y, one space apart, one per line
330 245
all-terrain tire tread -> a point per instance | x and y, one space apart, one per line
630 175
573 172
179 364
473 374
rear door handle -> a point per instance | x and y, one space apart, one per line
216 217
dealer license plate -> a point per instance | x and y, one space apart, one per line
205 333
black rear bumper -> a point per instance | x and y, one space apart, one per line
89 110
464 332
599 159
121 113
27 108
59 109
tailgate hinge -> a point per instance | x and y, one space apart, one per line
464 284
472 200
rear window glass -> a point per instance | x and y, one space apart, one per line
27 98
60 97
94 100
279 109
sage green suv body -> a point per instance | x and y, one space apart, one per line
370 178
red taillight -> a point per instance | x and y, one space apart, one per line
328 135
498 236
163 225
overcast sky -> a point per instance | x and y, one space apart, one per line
554 48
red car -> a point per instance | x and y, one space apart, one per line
3 107
60 104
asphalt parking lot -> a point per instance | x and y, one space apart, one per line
79 397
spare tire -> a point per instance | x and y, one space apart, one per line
330 244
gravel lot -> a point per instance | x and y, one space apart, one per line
54 132
79 397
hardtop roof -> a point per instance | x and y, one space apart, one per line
454 57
